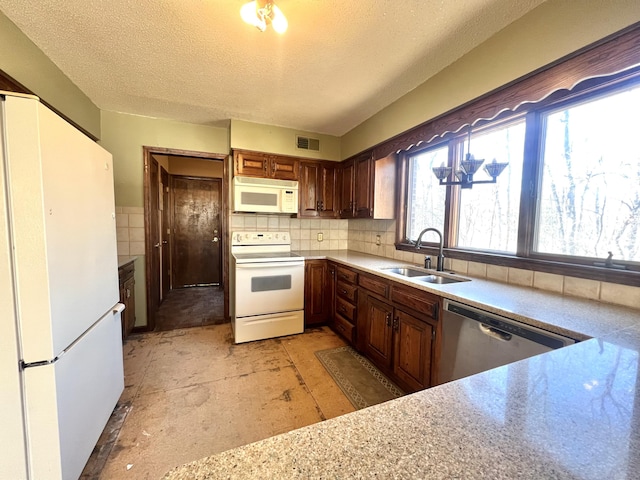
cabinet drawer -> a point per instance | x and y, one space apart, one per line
346 291
344 328
415 299
374 284
347 275
345 309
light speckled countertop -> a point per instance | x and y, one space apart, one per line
571 413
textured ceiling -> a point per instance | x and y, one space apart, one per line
339 63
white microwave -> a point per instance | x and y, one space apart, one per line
265 195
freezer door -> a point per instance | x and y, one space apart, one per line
69 402
63 228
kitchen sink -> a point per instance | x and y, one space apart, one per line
440 280
406 272
423 276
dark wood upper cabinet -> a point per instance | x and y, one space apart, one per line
318 189
363 189
346 183
258 164
368 187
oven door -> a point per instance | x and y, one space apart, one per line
269 287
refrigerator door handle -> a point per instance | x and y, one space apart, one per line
118 308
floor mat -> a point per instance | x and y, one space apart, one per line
362 383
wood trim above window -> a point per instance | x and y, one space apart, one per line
612 55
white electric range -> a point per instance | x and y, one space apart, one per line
267 286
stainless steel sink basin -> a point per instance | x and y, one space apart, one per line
423 276
439 280
406 272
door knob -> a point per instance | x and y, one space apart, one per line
215 240
157 245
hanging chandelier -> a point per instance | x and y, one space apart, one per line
468 167
261 13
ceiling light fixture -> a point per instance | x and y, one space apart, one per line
468 167
261 13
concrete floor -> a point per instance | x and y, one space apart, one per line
191 393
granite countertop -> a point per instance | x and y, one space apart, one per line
125 259
571 413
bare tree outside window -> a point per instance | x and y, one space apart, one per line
426 202
589 201
489 213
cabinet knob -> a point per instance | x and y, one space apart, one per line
396 323
388 320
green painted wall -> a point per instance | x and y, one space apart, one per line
554 29
124 136
27 64
272 139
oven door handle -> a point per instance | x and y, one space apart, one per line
270 265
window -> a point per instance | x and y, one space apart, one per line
570 194
488 214
589 201
426 201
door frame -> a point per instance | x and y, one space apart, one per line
224 208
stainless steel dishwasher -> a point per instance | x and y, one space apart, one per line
474 341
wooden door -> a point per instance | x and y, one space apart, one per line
346 190
165 229
378 340
316 307
328 191
412 350
153 277
362 197
196 258
309 201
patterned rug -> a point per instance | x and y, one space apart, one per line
362 383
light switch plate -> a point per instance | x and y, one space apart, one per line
320 236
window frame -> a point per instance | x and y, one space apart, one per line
525 257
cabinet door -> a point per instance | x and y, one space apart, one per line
330 287
328 191
129 304
412 350
315 294
378 335
346 190
252 164
309 199
362 194
284 168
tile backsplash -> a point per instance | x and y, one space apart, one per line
377 237
304 232
130 230
363 236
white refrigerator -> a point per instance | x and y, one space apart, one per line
61 370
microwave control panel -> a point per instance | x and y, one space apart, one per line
289 201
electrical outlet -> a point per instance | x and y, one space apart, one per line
378 240
320 236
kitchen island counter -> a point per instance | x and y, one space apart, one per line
571 413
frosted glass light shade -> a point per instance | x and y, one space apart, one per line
259 17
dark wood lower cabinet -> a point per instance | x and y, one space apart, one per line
379 334
316 295
127 297
413 350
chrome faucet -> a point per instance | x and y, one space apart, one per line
440 262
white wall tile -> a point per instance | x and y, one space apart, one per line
459 266
581 287
136 220
135 210
548 281
518 276
136 234
620 294
123 248
136 248
497 272
122 220
476 269
122 234
273 223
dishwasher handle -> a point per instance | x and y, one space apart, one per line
494 332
